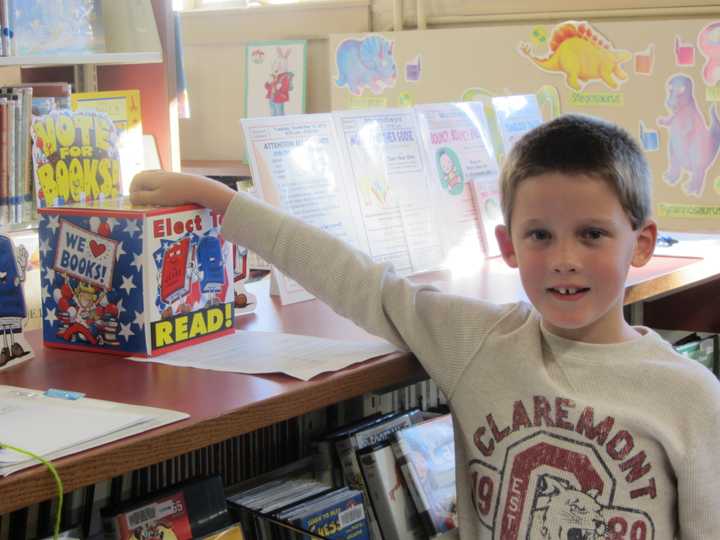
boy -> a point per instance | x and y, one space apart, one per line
569 423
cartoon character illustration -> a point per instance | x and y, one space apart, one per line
175 271
280 83
211 264
366 63
583 54
86 314
153 531
12 302
709 45
562 511
693 146
450 171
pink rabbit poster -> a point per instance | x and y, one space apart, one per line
275 78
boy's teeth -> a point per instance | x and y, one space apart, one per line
567 291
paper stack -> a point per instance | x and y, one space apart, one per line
52 427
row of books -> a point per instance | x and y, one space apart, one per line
193 509
701 347
18 105
15 161
385 477
403 463
35 144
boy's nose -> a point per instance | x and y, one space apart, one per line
565 267
565 259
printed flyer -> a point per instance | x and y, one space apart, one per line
458 150
385 163
297 161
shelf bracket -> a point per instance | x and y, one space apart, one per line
85 78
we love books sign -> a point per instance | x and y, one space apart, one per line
133 280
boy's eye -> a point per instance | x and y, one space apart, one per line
593 234
538 234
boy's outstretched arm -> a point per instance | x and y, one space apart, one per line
411 316
163 188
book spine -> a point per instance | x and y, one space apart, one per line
412 481
19 145
27 185
12 41
354 479
4 213
11 133
4 28
390 499
382 432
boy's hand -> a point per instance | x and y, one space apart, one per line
163 188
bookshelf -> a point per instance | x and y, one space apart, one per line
140 42
140 38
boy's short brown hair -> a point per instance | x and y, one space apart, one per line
577 144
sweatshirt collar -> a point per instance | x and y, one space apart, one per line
563 348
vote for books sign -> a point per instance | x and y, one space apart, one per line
75 157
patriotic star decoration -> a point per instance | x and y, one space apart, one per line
137 261
139 319
112 223
51 275
128 284
131 228
50 316
44 247
53 223
120 307
45 293
120 251
125 331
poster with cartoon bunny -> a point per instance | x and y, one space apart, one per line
275 78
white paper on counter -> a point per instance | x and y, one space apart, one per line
302 357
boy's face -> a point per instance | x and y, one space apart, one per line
574 243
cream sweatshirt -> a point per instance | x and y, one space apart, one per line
554 439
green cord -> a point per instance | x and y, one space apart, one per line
56 476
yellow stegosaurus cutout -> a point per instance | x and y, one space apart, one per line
583 54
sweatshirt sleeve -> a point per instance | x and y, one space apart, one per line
698 477
412 317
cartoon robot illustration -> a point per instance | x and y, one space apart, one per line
280 83
177 271
86 314
12 302
210 264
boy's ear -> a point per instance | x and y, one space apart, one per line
645 243
506 246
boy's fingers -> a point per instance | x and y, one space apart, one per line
143 197
145 180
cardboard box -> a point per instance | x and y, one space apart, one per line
133 280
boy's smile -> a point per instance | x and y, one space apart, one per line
574 243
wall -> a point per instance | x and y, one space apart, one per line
214 41
214 50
